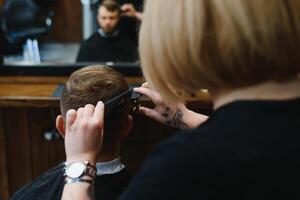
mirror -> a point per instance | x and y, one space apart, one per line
68 31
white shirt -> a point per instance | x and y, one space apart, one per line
110 167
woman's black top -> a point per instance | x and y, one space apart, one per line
246 150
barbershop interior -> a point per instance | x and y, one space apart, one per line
201 99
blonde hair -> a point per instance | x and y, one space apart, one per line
218 44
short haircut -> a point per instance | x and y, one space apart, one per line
110 5
91 84
218 44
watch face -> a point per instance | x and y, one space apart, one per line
75 170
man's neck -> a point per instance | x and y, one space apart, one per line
110 152
264 91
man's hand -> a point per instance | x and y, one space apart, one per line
84 133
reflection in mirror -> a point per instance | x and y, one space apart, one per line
110 42
64 31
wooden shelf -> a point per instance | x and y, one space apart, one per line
31 91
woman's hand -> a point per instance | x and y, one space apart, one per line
174 114
84 133
128 10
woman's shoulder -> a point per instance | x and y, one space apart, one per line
184 148
175 163
185 142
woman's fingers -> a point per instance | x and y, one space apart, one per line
128 10
153 114
145 84
154 96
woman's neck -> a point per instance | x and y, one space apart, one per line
264 91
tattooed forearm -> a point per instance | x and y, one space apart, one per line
177 120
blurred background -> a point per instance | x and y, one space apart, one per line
52 30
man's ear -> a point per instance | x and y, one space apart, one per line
128 126
60 125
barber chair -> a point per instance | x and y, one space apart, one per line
22 20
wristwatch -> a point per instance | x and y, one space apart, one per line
78 169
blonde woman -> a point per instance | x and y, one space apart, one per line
247 53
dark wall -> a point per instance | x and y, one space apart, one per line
67 19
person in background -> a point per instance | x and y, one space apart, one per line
247 54
88 86
109 43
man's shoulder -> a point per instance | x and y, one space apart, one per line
47 186
94 37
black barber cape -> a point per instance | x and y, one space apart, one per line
49 186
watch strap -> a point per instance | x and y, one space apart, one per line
78 180
90 170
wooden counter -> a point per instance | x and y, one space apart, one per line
18 91
29 144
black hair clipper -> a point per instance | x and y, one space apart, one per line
119 100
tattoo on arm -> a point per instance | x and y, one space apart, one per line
177 120
166 113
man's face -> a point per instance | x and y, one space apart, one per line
107 20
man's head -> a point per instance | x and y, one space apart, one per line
108 15
90 85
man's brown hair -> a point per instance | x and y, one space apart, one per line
91 84
110 5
